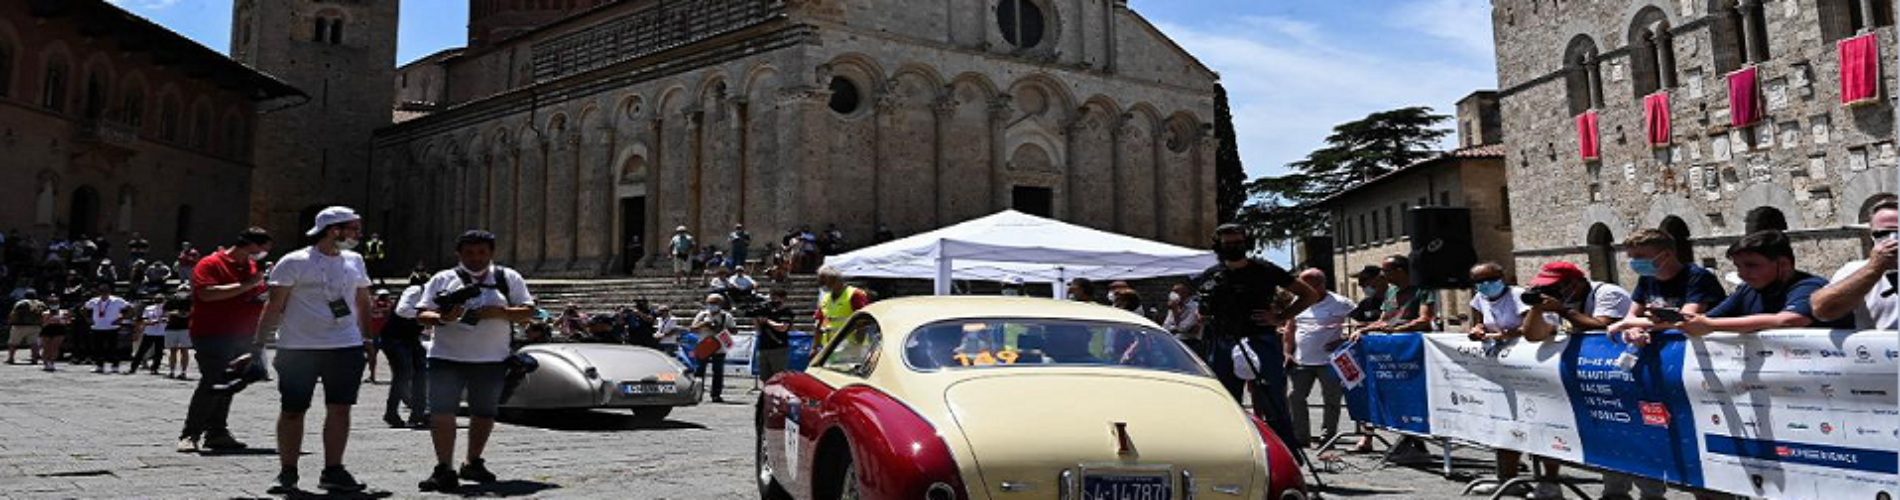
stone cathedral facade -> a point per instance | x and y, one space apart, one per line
618 120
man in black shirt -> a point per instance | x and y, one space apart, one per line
774 327
1238 302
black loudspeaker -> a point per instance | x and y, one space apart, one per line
1442 254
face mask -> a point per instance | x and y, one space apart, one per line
712 307
483 271
349 244
1369 290
1643 267
1491 288
259 256
1174 296
1229 252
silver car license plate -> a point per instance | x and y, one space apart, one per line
644 389
1126 487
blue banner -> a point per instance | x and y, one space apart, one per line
1393 395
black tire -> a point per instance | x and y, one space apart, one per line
652 414
769 487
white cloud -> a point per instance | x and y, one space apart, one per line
1464 23
1290 81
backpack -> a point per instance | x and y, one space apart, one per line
501 282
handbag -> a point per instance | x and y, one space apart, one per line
1246 362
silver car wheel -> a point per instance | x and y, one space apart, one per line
850 483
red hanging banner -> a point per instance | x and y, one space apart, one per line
1744 103
1587 135
1860 69
1656 118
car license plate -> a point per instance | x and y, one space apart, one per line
1126 487
647 389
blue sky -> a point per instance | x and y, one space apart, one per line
1294 68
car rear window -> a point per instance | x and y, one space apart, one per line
1017 343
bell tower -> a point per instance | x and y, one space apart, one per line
317 153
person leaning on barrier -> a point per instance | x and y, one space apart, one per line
1407 307
1773 294
1866 289
1563 297
1498 311
1666 287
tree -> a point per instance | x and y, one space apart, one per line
1282 208
1230 177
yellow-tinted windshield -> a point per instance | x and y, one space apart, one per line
1036 342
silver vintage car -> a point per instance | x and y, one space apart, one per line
588 376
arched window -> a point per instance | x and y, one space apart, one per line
336 31
1846 18
322 30
95 95
1766 218
168 119
1740 33
1583 77
200 129
1652 53
6 68
53 85
132 108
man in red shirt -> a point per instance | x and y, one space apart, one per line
227 295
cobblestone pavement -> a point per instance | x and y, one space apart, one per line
75 434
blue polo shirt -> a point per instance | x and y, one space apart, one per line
1694 285
1792 298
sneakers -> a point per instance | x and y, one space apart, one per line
443 479
1547 491
477 471
284 484
99 369
335 479
188 445
1516 490
394 422
222 441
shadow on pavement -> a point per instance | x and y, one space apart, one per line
503 489
247 452
588 420
324 495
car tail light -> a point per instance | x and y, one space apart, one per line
1283 473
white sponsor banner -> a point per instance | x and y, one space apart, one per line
1796 413
1503 395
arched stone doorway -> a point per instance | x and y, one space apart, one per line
82 219
1679 230
1601 250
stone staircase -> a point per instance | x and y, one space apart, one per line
606 295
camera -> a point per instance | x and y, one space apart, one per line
457 298
1536 295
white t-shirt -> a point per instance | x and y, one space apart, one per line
1320 325
485 342
406 306
1879 311
106 312
1505 313
314 280
154 317
1605 300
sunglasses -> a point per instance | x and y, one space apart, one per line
1884 234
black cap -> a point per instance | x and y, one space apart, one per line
475 236
1367 272
1230 228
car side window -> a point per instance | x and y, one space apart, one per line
855 350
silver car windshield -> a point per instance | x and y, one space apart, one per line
1021 343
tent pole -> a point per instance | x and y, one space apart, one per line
1062 283
943 275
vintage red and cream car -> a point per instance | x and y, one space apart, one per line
944 398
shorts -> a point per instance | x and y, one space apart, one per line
177 339
53 331
483 381
681 266
299 370
23 336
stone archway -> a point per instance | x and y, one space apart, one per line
1601 251
82 218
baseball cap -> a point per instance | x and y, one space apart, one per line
1556 272
1367 272
330 217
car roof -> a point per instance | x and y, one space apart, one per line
906 314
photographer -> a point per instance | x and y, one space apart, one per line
709 325
473 309
1865 289
774 330
1562 296
1236 301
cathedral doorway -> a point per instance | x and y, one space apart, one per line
633 223
1032 200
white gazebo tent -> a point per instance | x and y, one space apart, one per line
1013 244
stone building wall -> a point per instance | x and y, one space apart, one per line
126 141
316 153
1815 162
758 125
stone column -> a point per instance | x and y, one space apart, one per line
656 166
695 168
741 179
803 113
944 110
1158 196
1749 29
1115 173
1867 16
593 221
1206 152
487 201
1001 109
885 107
1072 130
1665 58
